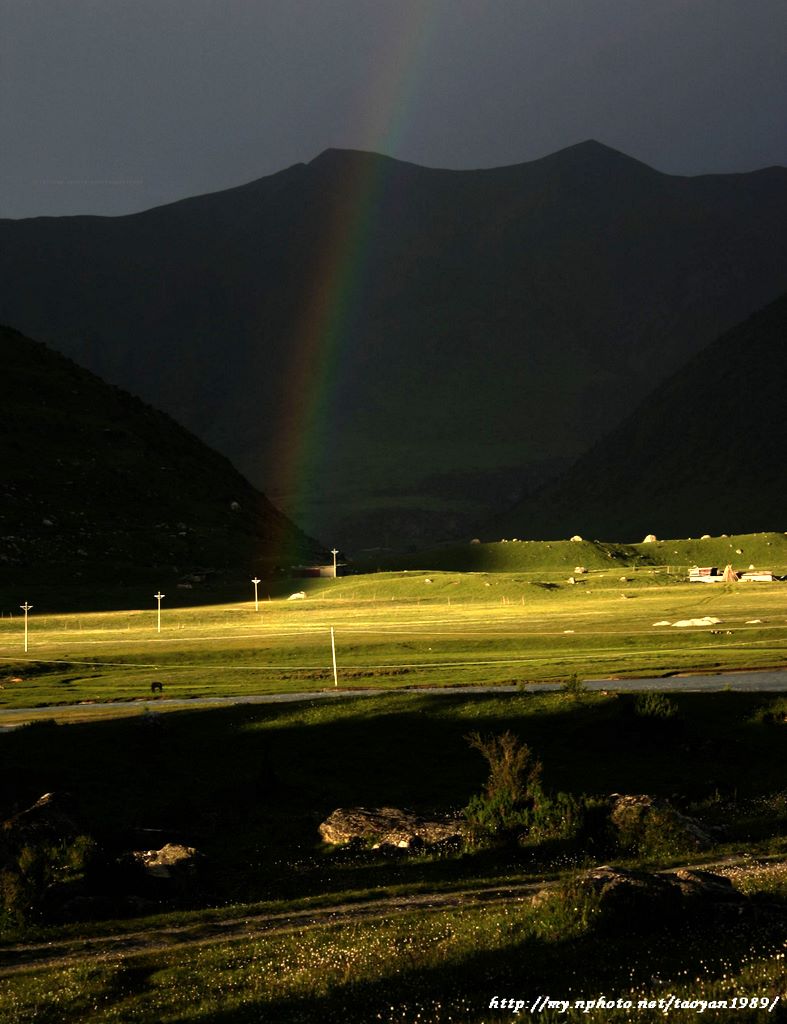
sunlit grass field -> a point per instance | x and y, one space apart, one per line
397 629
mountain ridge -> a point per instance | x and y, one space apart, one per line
100 487
701 454
493 322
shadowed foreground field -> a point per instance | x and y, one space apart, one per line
248 788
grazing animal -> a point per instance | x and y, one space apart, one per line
156 687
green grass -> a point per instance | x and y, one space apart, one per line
422 966
248 787
398 629
764 550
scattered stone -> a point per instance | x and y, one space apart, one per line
696 884
663 622
650 539
626 896
576 538
171 859
50 818
388 826
706 620
299 595
630 812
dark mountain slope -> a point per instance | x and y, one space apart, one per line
703 454
97 486
390 349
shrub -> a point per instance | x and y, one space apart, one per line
656 706
574 686
513 789
37 871
513 803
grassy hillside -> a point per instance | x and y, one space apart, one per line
98 488
763 550
703 454
472 330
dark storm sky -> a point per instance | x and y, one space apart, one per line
111 106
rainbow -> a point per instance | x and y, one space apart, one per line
338 277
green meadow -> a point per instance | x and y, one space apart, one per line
276 926
400 629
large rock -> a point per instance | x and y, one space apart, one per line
706 886
626 893
50 819
632 814
388 826
632 899
171 860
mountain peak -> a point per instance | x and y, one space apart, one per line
592 153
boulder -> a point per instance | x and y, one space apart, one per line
631 894
707 886
633 813
51 818
388 826
171 860
630 897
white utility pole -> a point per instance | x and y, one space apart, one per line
158 597
256 583
334 552
333 655
25 608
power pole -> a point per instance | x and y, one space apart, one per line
158 597
334 552
333 655
25 608
256 583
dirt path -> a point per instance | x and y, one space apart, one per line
122 945
62 953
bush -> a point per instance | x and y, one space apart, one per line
655 706
513 789
574 686
32 877
513 803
